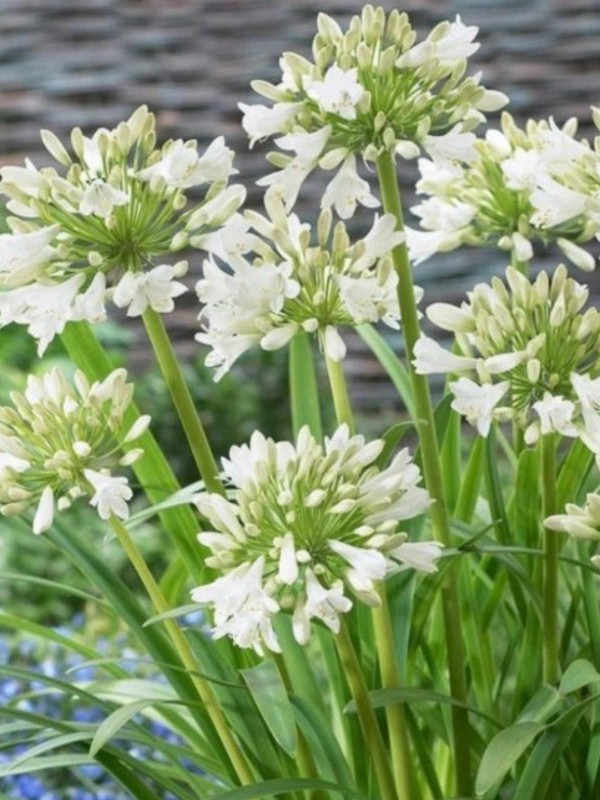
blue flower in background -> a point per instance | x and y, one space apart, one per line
84 782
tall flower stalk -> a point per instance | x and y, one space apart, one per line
392 204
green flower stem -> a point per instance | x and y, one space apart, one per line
339 392
205 692
173 375
368 721
390 194
396 718
382 625
551 547
153 470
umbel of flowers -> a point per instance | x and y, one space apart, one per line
508 192
286 283
304 524
370 89
59 442
101 230
528 345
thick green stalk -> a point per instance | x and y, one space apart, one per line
390 194
396 718
339 392
382 625
368 721
551 547
173 375
153 470
181 645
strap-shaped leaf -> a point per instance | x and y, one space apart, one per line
269 694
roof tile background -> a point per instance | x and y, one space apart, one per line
90 62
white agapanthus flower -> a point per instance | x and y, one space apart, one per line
477 402
59 442
305 528
155 289
338 93
371 90
288 283
110 494
506 190
525 350
347 190
115 208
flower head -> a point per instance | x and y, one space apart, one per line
59 442
507 190
292 283
119 205
304 525
371 89
529 344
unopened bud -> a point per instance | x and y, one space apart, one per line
534 369
55 147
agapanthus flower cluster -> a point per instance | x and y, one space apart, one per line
279 282
528 345
498 195
304 524
371 89
102 230
59 442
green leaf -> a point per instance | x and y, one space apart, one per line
450 455
392 438
577 675
63 761
541 706
324 744
543 762
471 481
499 515
63 588
284 785
37 750
390 362
304 393
503 751
573 473
386 697
269 694
115 721
526 502
182 497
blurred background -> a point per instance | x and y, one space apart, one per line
65 63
